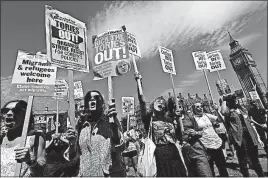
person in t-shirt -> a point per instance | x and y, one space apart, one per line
210 139
258 115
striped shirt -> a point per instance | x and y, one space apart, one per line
210 138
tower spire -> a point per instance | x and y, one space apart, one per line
231 38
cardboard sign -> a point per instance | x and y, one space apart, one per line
201 60
78 90
111 55
254 95
61 89
66 39
33 75
128 105
223 87
133 45
216 61
167 60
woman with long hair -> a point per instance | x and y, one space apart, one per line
33 154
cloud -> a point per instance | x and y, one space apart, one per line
244 41
176 24
190 80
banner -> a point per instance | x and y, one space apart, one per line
61 89
201 60
78 90
133 45
223 87
111 55
33 75
167 60
66 39
127 105
239 94
216 61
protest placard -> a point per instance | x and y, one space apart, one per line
133 46
201 60
254 95
110 54
33 75
61 89
216 61
66 39
167 60
223 87
128 105
78 90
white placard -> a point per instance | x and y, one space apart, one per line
128 105
216 61
33 75
167 60
66 39
78 90
201 60
61 89
133 46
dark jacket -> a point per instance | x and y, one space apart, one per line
235 128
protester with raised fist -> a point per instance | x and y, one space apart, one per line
242 134
169 163
32 156
100 139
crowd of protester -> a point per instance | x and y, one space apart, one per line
100 146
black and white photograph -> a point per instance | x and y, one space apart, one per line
134 89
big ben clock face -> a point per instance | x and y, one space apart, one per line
237 61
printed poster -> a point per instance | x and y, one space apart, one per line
110 54
216 61
66 39
61 89
201 60
127 105
254 95
167 60
33 75
78 90
133 45
223 87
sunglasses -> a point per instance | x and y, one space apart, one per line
14 110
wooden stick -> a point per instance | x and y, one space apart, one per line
176 101
57 117
136 71
71 110
210 93
128 122
24 132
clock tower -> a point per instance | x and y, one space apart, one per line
246 71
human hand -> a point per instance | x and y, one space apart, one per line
71 135
137 76
22 154
3 131
112 111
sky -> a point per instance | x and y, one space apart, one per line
182 26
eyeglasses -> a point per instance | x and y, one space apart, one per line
14 110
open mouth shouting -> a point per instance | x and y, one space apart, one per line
10 122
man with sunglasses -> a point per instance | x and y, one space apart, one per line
33 154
